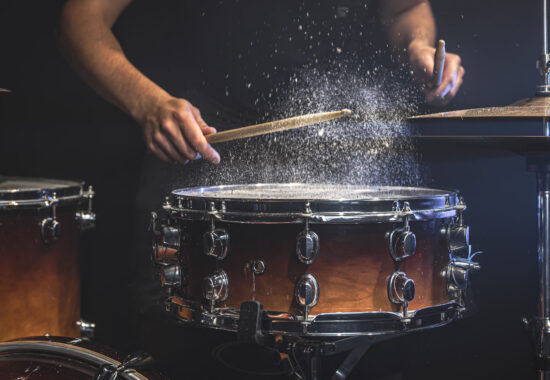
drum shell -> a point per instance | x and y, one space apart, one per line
39 282
352 269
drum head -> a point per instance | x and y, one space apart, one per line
320 203
20 192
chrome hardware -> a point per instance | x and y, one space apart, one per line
458 237
307 245
170 276
402 244
401 290
87 329
258 266
457 273
86 218
50 226
170 236
216 243
166 241
215 287
306 292
402 240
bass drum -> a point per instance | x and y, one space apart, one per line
56 358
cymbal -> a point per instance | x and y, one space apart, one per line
538 107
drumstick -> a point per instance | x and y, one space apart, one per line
439 63
275 126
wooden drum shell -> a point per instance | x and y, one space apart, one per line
39 282
352 269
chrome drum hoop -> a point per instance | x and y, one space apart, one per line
298 202
20 192
323 325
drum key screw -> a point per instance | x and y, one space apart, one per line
86 218
306 292
51 228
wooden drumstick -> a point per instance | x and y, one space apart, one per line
439 63
275 126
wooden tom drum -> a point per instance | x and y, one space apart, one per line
39 255
322 260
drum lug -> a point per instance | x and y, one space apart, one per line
50 226
401 290
86 218
216 242
170 276
215 287
306 292
307 245
403 240
166 241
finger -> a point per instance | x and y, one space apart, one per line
450 70
457 85
162 141
196 138
205 128
173 130
159 153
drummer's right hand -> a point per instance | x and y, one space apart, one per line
174 131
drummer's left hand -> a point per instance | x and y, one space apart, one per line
421 59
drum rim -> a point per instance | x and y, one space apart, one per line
66 191
370 323
361 210
65 350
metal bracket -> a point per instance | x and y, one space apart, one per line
250 324
86 218
50 226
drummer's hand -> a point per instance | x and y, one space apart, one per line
421 60
174 131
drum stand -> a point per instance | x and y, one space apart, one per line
304 355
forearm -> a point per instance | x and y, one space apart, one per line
88 43
408 22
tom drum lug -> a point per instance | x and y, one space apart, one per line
401 289
50 227
86 218
215 287
457 273
166 241
306 292
216 243
307 246
402 243
170 276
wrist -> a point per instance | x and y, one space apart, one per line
146 103
417 44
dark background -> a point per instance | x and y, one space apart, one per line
54 126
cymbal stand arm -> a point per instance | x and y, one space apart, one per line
543 63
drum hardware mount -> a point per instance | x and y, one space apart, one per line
138 360
402 241
401 290
50 226
87 329
86 219
307 242
215 288
306 293
250 331
216 241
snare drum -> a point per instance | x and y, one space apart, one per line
39 260
65 359
321 260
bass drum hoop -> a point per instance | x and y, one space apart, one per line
192 204
66 351
34 196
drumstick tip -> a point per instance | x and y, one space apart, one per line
345 111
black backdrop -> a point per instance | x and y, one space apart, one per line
54 126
